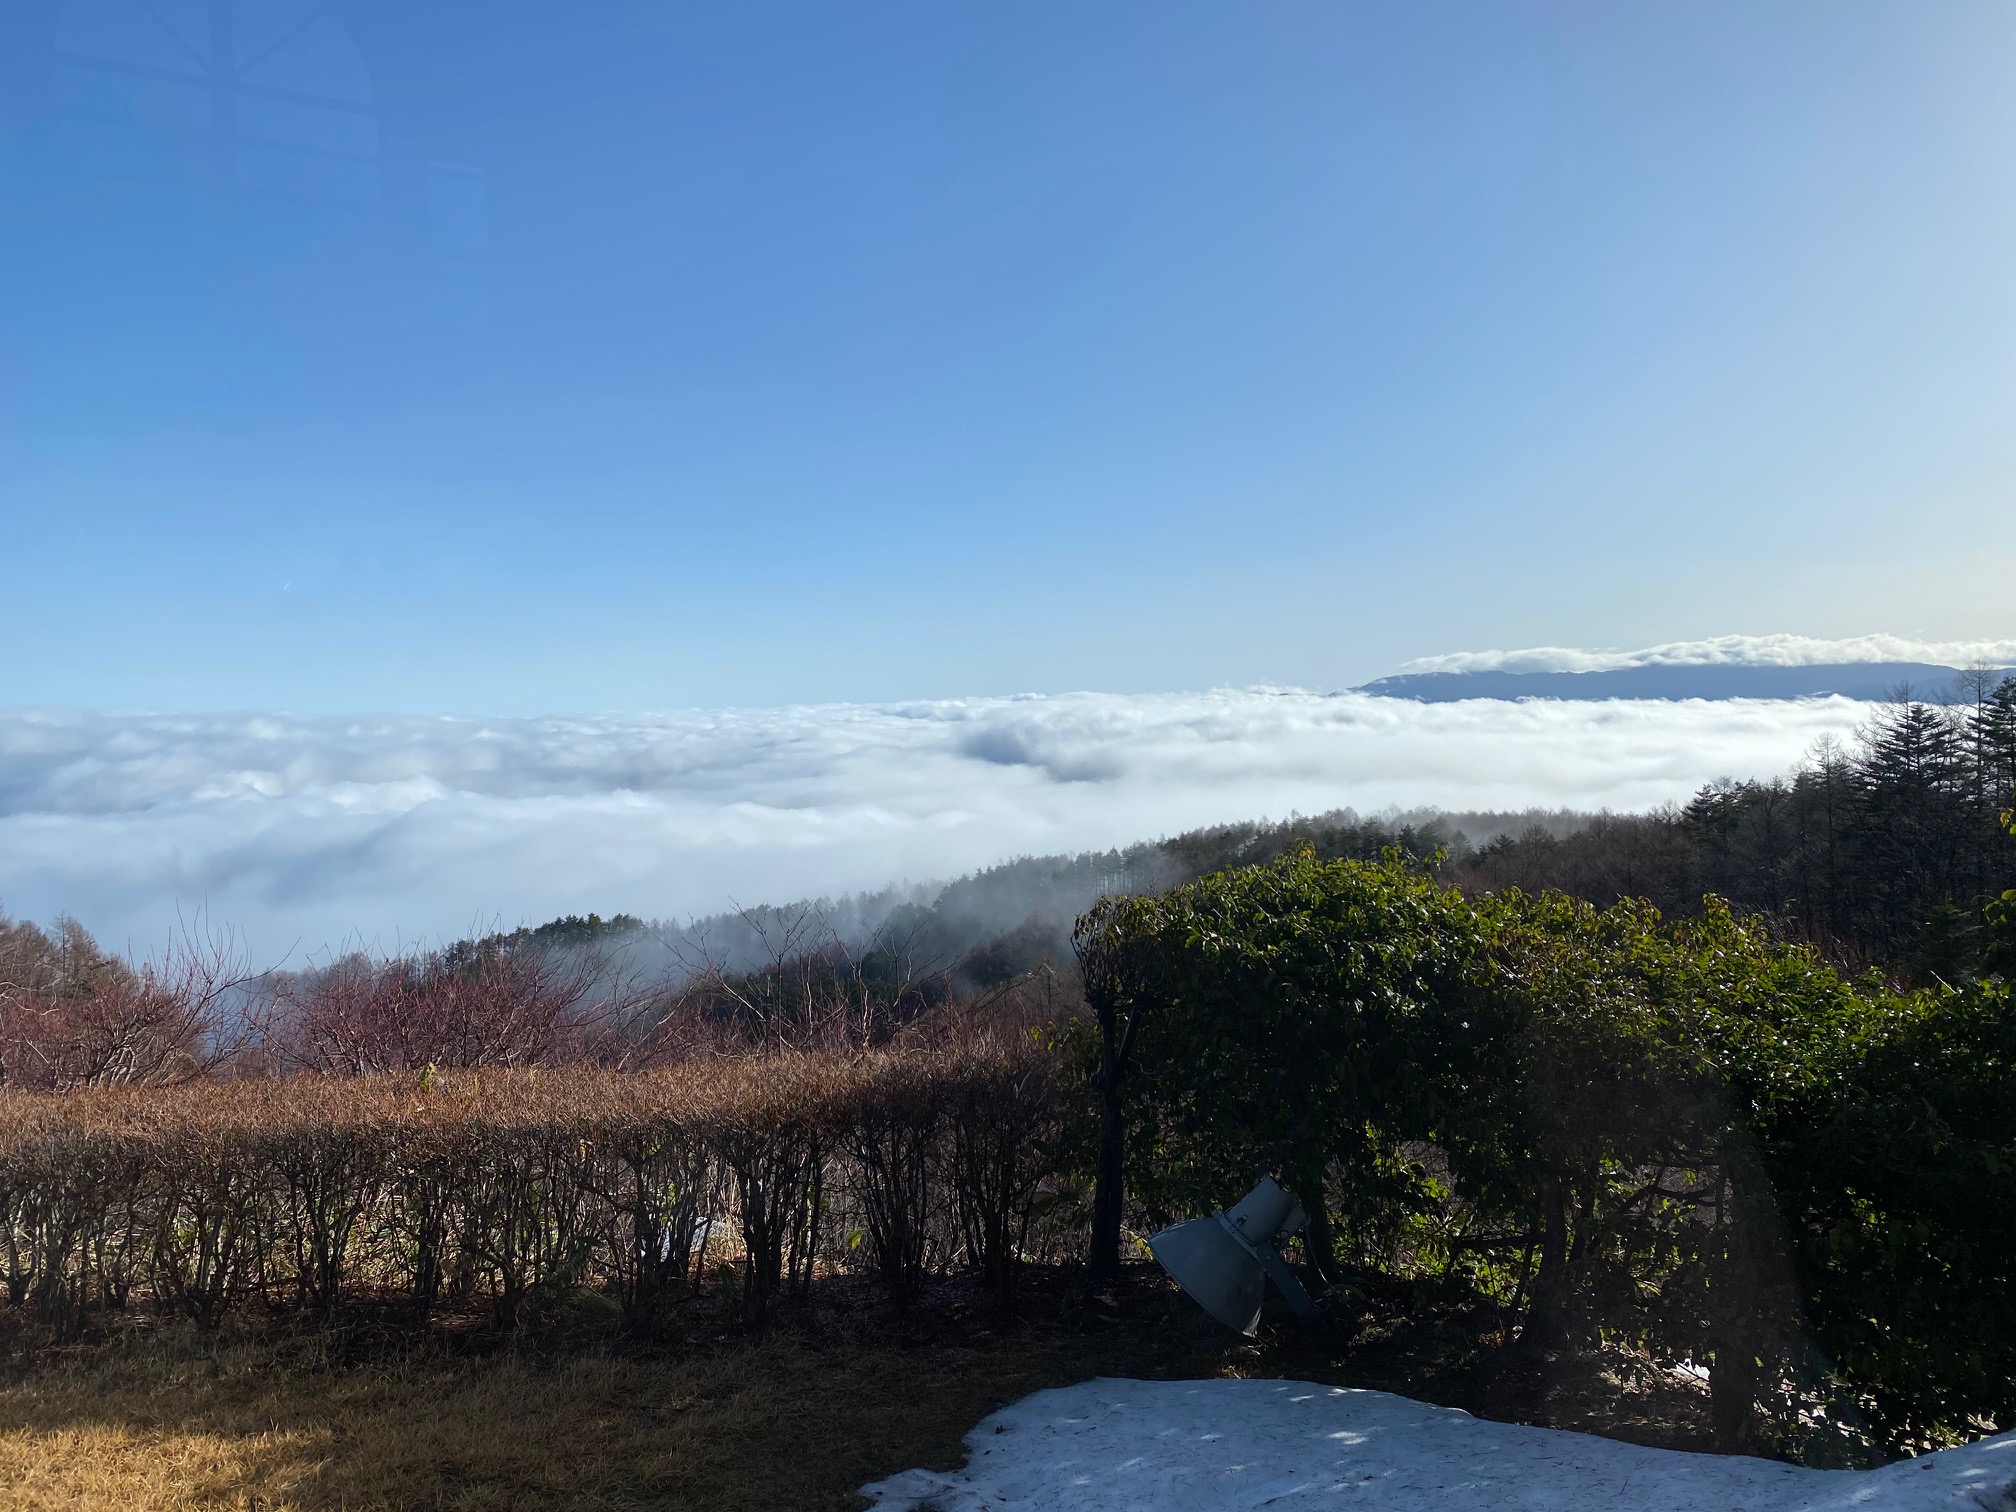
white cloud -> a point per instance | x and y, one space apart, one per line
310 829
1729 651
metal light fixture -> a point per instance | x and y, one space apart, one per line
1225 1261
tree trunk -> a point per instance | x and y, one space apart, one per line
1741 1307
1319 1239
1732 1389
1109 1194
1546 1326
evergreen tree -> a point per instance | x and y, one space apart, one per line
1912 824
1994 746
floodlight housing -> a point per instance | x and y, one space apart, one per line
1225 1261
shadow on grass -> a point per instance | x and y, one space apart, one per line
844 1393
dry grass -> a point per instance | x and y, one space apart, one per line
160 1422
155 1418
777 1425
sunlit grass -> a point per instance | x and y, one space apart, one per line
778 1424
157 1416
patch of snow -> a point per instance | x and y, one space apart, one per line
1227 1446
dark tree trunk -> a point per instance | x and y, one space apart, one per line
1743 1307
1109 1195
1733 1379
1319 1240
1546 1326
1109 986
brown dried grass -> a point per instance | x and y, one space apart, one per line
798 1419
163 1418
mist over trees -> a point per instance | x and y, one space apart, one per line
1879 853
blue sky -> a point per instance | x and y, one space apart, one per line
620 356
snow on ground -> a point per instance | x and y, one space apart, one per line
1225 1446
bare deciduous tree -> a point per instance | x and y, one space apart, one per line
72 1015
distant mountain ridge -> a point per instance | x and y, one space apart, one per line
1870 681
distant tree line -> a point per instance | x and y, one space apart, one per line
1878 852
1881 852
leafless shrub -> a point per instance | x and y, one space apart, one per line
73 1016
514 1188
1008 1119
493 1006
894 1127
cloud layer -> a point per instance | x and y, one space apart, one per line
310 830
1729 651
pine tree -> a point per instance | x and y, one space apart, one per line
1994 743
1912 823
1948 950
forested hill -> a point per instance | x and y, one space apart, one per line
1882 853
1871 681
998 922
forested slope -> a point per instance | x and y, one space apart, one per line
1881 852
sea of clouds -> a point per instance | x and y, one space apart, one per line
302 833
1731 651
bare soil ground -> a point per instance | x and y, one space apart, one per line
153 1416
